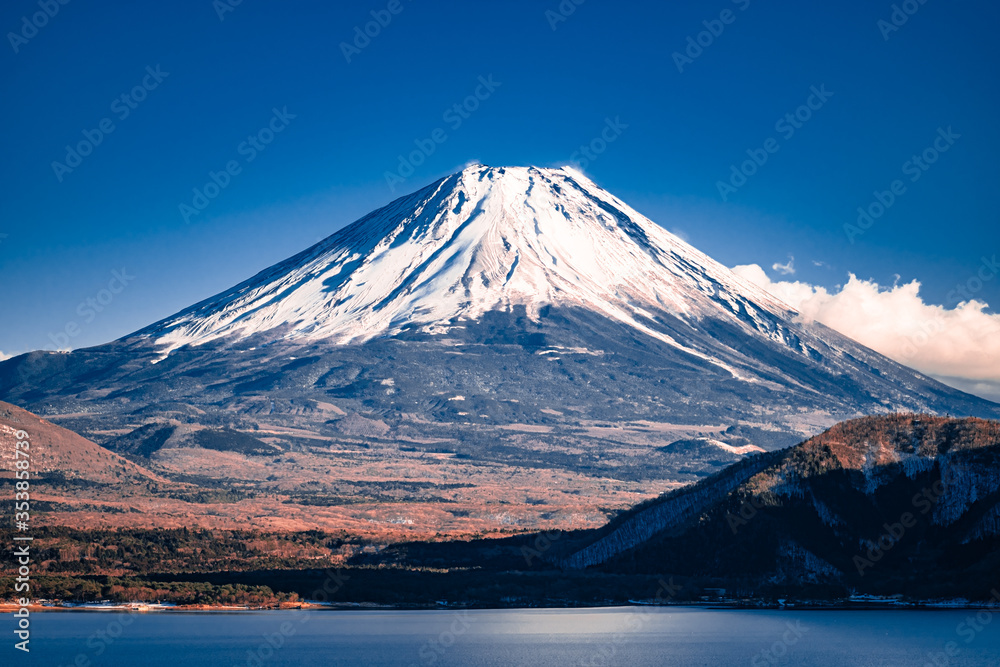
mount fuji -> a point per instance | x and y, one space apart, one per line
478 241
509 327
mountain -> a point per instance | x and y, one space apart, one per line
53 450
506 348
77 483
893 504
72 480
481 241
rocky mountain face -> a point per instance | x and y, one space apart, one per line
893 504
517 329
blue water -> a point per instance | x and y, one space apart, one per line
635 637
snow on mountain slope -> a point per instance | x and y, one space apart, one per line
479 240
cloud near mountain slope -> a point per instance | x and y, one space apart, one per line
959 346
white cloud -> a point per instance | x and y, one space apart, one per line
984 388
785 269
959 346
4 357
681 234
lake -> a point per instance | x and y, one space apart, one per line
632 636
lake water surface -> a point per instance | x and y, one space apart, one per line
632 636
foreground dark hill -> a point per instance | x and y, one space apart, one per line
500 324
898 504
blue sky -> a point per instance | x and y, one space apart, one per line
199 78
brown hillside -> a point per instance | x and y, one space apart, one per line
880 440
55 449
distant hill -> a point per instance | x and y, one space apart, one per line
60 452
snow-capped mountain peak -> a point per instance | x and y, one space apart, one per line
486 238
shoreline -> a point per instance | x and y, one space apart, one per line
155 608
